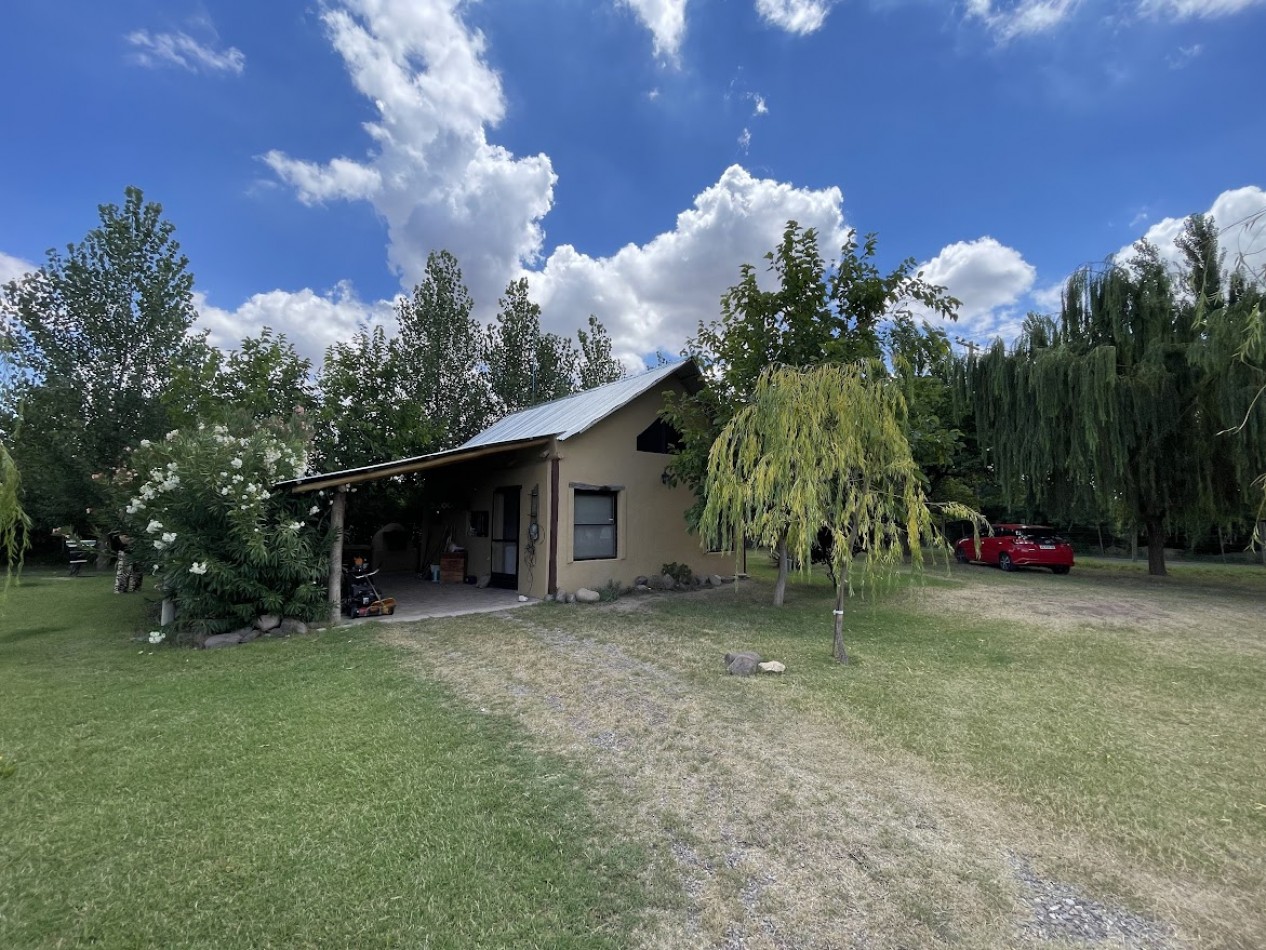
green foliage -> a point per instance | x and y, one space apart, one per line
681 573
595 365
92 338
1119 405
822 449
15 525
202 516
524 366
610 591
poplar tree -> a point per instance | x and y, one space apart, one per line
1123 402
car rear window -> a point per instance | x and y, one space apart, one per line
1037 534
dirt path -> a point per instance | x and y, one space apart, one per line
768 829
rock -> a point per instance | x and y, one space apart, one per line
221 640
587 596
571 598
771 666
484 580
742 664
522 599
642 589
561 595
641 581
290 627
549 598
696 581
267 622
728 578
249 633
715 580
667 582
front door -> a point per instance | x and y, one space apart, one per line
505 538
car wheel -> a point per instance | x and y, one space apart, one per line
1060 569
961 556
1005 562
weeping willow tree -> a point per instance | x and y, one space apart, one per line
15 526
822 449
1122 404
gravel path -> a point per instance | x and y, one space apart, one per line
771 828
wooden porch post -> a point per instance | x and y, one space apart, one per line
338 513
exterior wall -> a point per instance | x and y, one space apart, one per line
650 523
482 478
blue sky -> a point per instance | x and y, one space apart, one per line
626 155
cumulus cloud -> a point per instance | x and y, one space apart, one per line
1240 213
155 50
666 19
989 278
11 268
655 294
1008 19
795 16
432 175
310 320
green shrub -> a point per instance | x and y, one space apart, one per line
203 518
681 573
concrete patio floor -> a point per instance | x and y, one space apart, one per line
419 599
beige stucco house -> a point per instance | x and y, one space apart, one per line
568 494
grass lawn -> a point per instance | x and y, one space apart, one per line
297 793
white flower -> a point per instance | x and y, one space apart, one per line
156 636
171 466
314 509
169 537
198 567
159 545
219 430
172 434
236 463
131 509
154 527
295 525
236 479
146 443
224 490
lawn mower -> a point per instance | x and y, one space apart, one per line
360 596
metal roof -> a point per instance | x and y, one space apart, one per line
578 412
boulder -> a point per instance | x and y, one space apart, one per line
221 640
742 664
249 633
587 596
665 582
291 627
571 598
771 666
267 622
522 599
715 580
561 595
641 581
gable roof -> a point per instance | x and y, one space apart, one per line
574 414
528 428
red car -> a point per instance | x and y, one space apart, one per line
1019 545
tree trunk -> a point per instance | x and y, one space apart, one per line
1102 552
1155 547
338 511
1261 541
780 587
103 550
838 650
1134 542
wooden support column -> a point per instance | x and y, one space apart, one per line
338 514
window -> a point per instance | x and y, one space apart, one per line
659 437
595 525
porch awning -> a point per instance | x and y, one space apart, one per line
420 463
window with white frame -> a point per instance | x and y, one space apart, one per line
595 527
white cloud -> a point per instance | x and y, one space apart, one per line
666 19
11 268
1185 55
745 140
1191 9
432 176
1008 19
1049 299
987 276
655 294
181 49
1240 211
759 106
795 16
310 320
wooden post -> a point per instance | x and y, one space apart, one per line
338 513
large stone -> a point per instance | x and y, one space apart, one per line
641 581
561 595
571 598
249 633
714 580
771 666
291 627
587 596
667 582
222 640
268 622
742 664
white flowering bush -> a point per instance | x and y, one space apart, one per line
203 518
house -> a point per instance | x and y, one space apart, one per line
568 494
